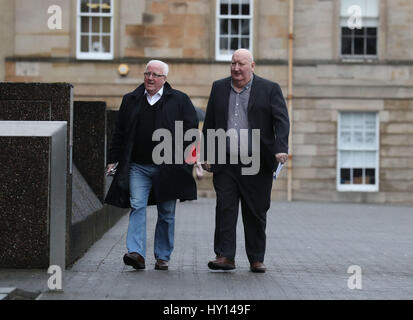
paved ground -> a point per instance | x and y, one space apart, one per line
310 247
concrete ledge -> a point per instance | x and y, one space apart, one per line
33 230
17 294
90 218
86 232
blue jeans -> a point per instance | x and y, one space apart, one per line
141 178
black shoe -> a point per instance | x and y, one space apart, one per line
221 263
135 260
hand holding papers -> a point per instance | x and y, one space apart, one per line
277 172
282 159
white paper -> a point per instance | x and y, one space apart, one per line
277 172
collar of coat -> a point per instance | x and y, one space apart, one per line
139 91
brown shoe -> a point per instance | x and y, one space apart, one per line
258 267
221 263
135 260
161 265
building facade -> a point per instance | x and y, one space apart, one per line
345 67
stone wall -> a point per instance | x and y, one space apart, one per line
399 30
315 150
396 152
183 34
170 29
186 29
6 34
314 30
32 35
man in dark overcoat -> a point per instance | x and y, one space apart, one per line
245 101
139 179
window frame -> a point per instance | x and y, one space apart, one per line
250 17
358 187
365 37
94 55
370 21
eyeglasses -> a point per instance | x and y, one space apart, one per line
153 74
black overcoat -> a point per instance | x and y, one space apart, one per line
175 181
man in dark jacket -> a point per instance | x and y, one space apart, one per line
246 102
139 180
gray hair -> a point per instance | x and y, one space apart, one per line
165 67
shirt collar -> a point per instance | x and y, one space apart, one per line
160 93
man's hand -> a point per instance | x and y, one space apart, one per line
206 166
281 157
109 168
199 172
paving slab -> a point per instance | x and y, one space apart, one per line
310 247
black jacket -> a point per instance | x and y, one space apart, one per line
175 180
267 112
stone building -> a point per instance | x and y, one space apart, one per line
345 67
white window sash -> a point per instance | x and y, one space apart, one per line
369 8
94 55
358 187
111 9
227 57
365 22
95 14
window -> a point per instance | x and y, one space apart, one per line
358 144
95 29
359 41
234 27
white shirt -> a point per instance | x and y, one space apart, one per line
155 98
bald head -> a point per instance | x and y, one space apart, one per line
244 53
242 68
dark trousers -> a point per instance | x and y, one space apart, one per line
254 192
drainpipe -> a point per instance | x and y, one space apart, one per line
290 99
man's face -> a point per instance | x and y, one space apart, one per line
152 79
242 68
